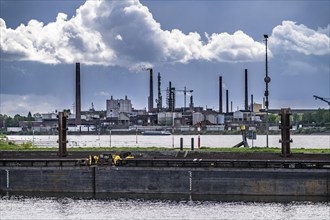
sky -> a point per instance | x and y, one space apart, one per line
191 44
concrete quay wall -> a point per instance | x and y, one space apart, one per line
166 180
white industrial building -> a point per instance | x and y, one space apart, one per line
167 118
117 106
197 117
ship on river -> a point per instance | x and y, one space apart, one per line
156 133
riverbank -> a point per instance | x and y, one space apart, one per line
305 131
8 146
168 141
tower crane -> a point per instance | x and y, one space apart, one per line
327 100
171 96
185 92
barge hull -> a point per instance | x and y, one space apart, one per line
166 180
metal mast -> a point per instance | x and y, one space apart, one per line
267 80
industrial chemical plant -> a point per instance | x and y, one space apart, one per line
120 115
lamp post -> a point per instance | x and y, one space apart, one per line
267 80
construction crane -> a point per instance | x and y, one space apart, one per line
185 92
327 100
171 96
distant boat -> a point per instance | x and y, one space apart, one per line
156 133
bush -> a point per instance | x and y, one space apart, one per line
27 145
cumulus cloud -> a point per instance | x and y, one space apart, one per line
62 41
325 30
239 46
124 33
290 36
23 104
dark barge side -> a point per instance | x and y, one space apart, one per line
186 173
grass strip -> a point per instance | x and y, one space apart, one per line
28 146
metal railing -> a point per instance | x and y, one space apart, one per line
142 162
225 163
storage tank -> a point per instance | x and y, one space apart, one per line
197 117
211 118
220 119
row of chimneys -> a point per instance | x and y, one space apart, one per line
246 104
159 100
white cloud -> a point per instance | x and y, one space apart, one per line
119 37
124 33
236 47
292 37
325 30
23 104
103 93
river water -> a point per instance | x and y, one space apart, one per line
29 207
213 141
16 208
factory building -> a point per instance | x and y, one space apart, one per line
167 118
117 106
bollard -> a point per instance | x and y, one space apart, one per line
285 131
62 134
192 143
181 144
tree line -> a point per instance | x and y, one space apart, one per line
319 118
7 121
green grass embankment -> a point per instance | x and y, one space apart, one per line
5 145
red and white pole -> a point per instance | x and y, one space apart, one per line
199 136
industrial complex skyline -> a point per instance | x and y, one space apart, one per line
191 44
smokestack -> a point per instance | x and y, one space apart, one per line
173 99
191 104
78 96
246 91
227 101
251 110
151 93
169 96
159 100
220 94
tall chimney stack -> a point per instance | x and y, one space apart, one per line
220 94
151 93
159 100
191 105
251 110
227 101
78 96
246 91
169 96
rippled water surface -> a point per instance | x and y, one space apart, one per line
15 207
